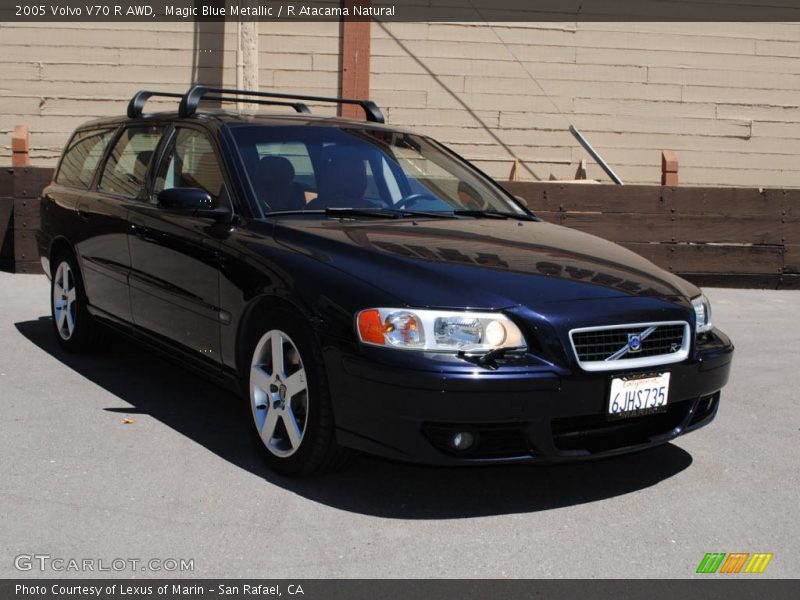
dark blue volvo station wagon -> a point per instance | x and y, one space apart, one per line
365 288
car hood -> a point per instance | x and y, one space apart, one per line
479 263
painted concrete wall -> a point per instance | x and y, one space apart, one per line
726 97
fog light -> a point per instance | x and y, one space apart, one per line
462 440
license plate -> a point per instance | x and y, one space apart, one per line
634 396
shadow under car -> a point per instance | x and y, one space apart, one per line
212 417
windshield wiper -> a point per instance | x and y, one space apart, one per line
493 214
425 213
378 213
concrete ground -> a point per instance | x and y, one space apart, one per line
181 481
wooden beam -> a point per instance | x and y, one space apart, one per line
355 58
669 168
20 146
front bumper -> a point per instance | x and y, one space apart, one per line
541 415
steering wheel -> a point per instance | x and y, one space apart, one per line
412 199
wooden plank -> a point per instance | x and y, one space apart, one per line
25 248
741 229
761 281
712 258
28 266
705 258
551 217
28 185
791 258
6 229
587 197
26 213
658 254
745 280
6 182
719 201
535 195
790 214
29 181
621 227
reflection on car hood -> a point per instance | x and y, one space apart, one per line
479 263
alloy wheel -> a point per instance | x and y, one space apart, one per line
64 300
279 393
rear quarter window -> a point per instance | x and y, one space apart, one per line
82 157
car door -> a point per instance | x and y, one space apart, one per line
174 279
62 209
104 252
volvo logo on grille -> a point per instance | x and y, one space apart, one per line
634 342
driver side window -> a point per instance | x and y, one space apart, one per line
191 162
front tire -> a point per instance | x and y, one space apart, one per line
290 410
74 327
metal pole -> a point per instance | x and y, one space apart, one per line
593 153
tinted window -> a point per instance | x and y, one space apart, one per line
126 168
295 153
82 156
360 168
191 162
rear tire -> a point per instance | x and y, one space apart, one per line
288 401
75 329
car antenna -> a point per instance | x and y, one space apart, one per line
572 129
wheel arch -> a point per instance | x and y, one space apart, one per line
58 245
258 306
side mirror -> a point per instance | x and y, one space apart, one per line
193 202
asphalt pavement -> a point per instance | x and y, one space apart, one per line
122 455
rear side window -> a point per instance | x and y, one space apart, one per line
126 168
82 156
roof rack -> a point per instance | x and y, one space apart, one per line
192 98
297 106
136 105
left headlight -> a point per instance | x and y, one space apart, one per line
702 311
438 331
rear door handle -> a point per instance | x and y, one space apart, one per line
82 212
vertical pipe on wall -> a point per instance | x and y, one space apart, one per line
247 56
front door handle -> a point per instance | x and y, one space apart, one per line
138 229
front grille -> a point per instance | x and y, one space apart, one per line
596 347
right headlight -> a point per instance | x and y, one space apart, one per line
702 312
438 331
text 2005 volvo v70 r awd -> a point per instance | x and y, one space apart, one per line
366 288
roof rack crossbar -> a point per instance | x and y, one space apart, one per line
297 106
192 98
136 105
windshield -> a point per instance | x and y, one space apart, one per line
327 168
